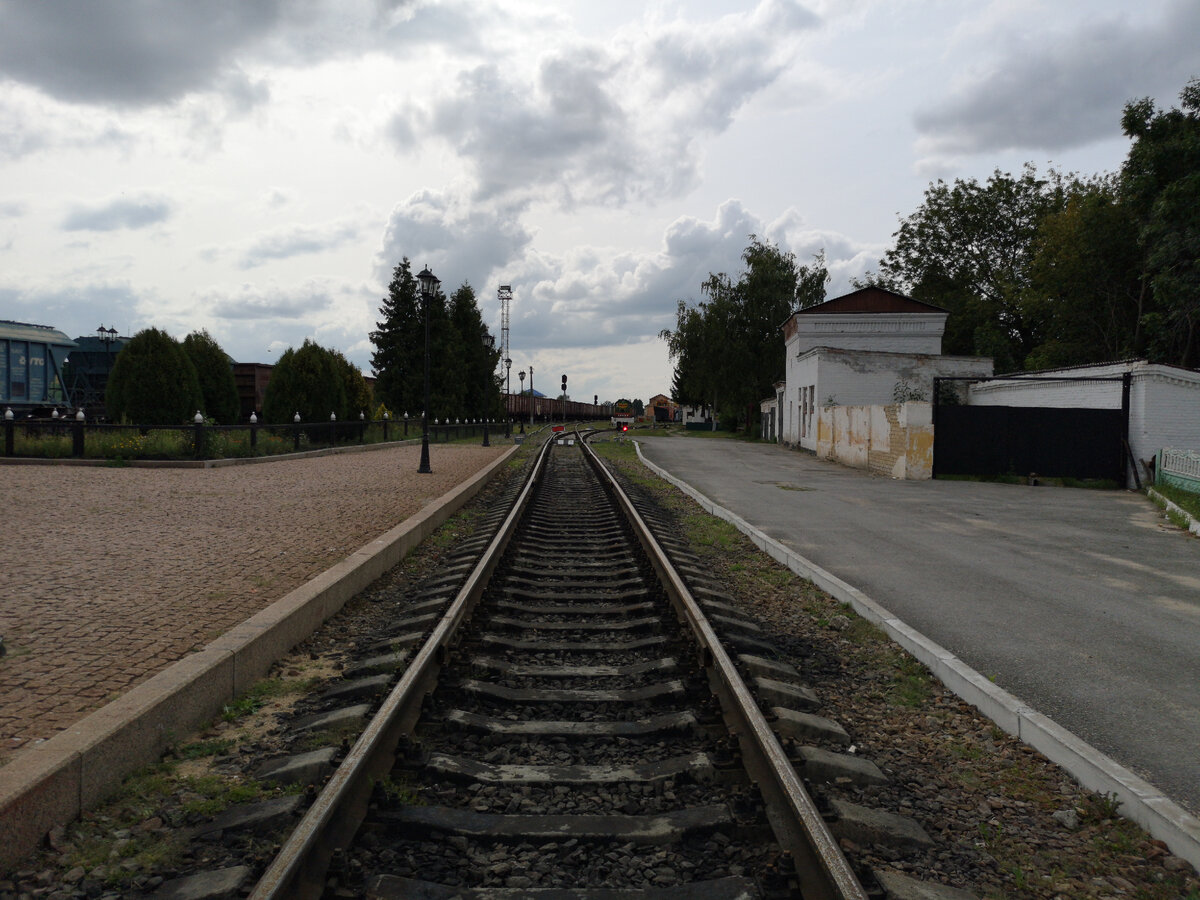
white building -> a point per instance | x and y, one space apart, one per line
1164 401
871 347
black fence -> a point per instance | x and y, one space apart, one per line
1054 442
75 438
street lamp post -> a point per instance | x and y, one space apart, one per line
507 396
489 344
521 375
429 285
531 394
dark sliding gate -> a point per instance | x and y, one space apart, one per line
1019 440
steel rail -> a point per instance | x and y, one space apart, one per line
298 870
821 867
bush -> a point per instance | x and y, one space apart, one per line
215 373
309 381
153 382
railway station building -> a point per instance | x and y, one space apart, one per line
869 348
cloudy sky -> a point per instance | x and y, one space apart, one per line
258 167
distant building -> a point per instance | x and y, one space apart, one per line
663 408
251 380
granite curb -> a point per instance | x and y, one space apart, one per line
1141 802
55 780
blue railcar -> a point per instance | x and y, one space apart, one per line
31 367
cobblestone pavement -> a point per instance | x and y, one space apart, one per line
112 574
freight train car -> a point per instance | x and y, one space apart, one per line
525 408
31 368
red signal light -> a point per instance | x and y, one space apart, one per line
624 427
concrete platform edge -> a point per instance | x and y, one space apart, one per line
51 783
1141 802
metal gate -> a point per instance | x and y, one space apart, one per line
1054 442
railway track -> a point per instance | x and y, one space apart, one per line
570 727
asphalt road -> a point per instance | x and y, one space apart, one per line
1084 604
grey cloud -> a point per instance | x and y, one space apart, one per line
12 209
1058 91
268 303
459 241
297 241
614 123
129 52
119 213
75 310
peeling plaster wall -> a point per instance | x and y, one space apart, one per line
838 377
894 440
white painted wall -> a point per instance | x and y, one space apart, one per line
839 377
884 332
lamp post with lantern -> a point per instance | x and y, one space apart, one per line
521 375
489 344
429 285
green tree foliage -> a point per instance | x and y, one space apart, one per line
473 357
969 250
359 397
728 349
1161 183
1086 297
153 382
462 353
310 381
399 341
214 369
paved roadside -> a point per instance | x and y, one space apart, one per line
1085 604
112 574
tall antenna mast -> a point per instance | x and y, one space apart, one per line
505 294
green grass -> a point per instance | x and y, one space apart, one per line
202 749
1181 498
256 697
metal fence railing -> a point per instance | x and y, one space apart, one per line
76 438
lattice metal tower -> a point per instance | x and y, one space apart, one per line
505 294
